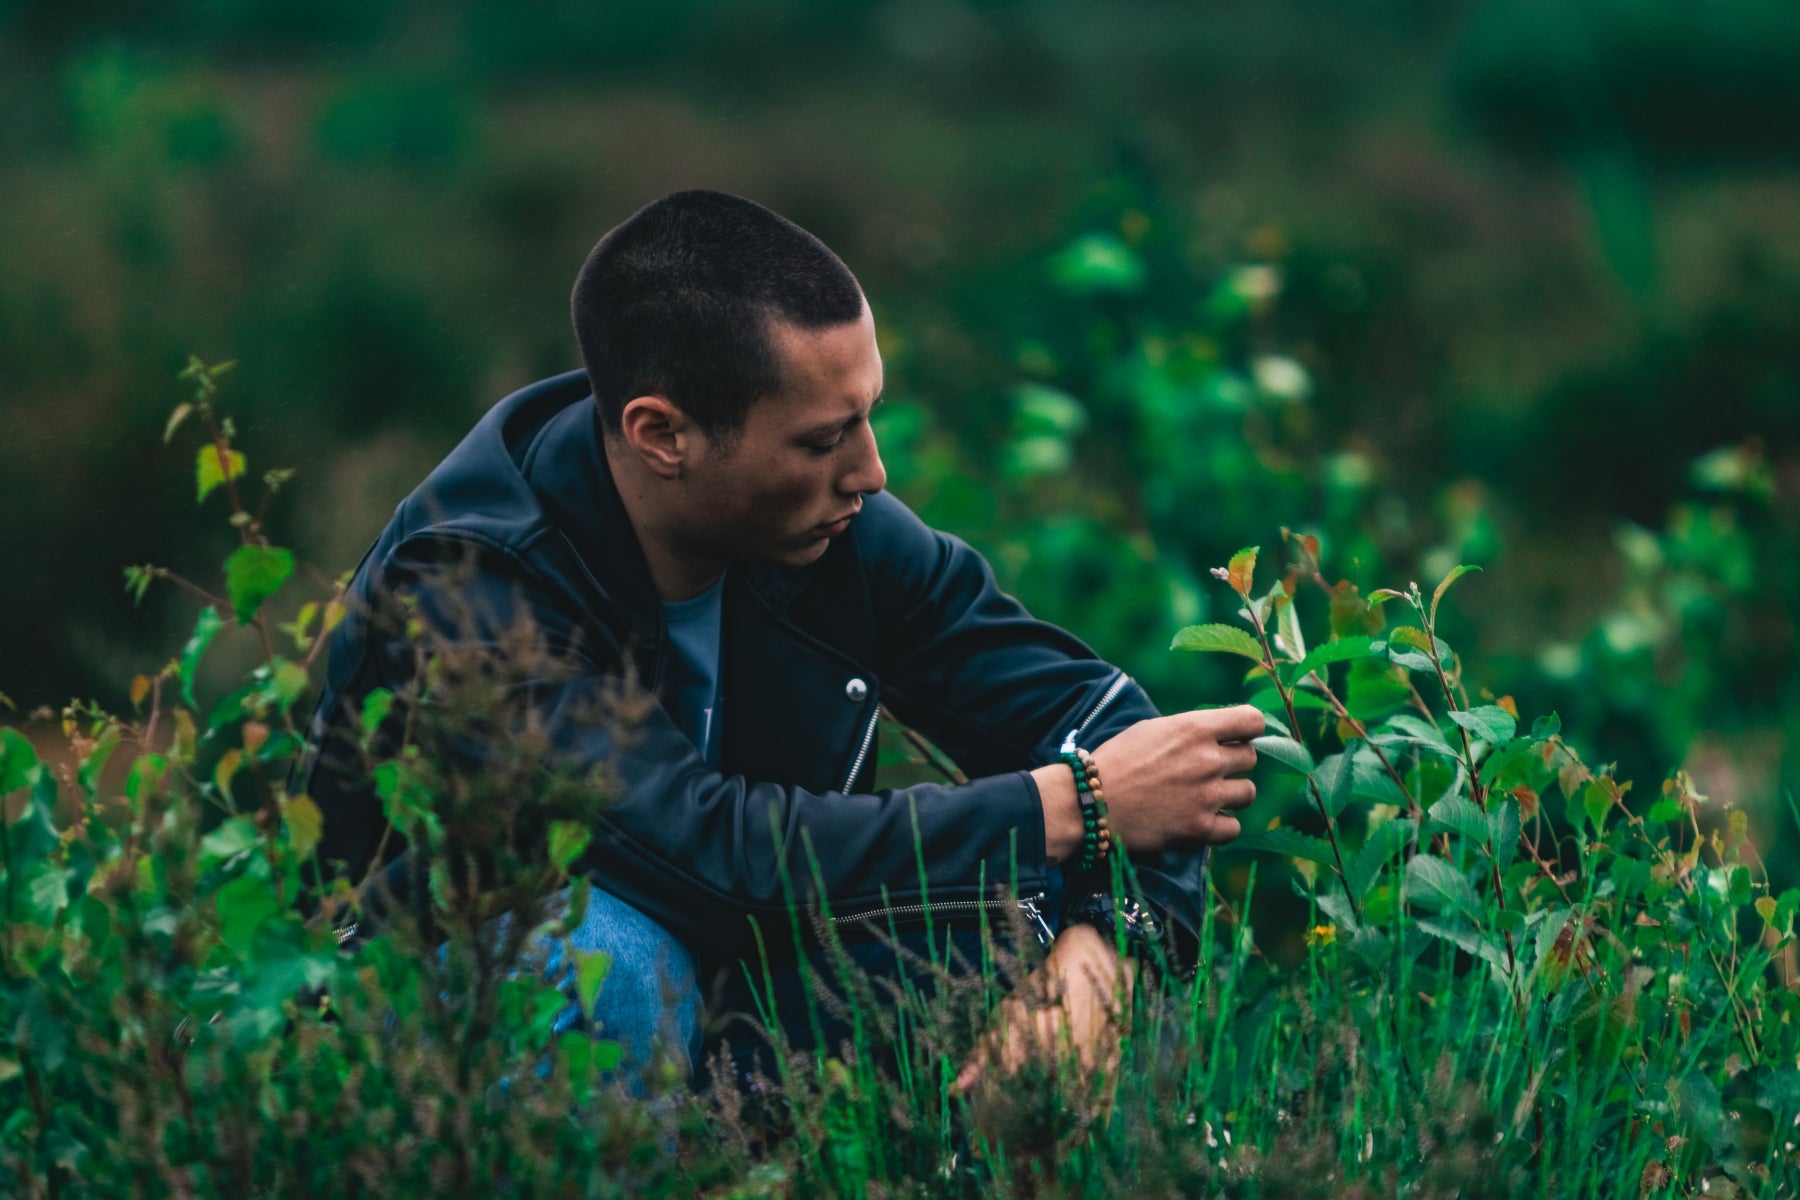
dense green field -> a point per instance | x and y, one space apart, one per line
1512 979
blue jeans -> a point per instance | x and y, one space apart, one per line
650 998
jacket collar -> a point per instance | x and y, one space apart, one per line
566 466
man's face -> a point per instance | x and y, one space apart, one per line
793 476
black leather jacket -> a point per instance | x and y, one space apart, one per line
893 613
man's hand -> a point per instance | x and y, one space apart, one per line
1073 1001
1175 780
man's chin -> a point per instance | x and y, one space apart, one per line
801 552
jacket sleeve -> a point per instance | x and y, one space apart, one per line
699 851
999 690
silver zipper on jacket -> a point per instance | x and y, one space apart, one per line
1106 699
1034 916
862 752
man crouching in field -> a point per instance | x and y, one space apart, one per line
700 513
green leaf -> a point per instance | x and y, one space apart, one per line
1596 802
404 797
375 709
1335 778
1290 843
1372 691
1464 936
1341 650
289 682
1224 639
1514 761
1780 1091
1384 842
1286 751
305 824
210 470
1458 814
1456 573
1404 729
1372 781
580 892
47 888
230 839
1288 634
138 581
253 573
1269 700
244 905
1406 646
591 967
1434 884
1490 723
1272 719
1738 886
567 841
1504 829
1697 1106
18 761
206 626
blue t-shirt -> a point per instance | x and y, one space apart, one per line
693 692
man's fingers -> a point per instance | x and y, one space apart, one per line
1239 758
1225 828
966 1078
1239 723
1234 794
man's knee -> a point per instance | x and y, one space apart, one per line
649 998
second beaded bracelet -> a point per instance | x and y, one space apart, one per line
1096 835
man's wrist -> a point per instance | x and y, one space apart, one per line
1125 921
1062 812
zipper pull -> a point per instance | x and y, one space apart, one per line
1034 917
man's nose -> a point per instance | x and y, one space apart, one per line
867 474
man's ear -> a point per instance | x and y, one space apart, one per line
660 434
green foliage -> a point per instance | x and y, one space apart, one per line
175 1004
1623 969
254 573
1495 995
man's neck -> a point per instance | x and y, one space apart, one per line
676 574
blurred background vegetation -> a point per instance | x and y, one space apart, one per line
1507 282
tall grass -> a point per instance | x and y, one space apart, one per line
1518 978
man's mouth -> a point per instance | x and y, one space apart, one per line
834 528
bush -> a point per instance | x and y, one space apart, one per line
1514 977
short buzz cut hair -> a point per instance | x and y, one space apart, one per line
676 300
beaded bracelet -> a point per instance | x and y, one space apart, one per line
1096 835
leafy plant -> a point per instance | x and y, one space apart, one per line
1514 978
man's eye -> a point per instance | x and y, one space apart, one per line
823 448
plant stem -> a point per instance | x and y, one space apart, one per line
1476 791
1312 784
1362 731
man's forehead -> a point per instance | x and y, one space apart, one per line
831 374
